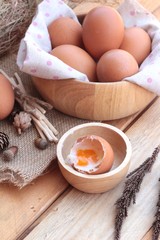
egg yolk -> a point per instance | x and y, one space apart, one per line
85 156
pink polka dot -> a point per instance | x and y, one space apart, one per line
48 1
39 36
47 14
49 63
149 80
35 23
70 69
33 70
132 12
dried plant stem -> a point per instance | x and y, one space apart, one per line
156 223
47 132
43 117
132 186
35 107
39 130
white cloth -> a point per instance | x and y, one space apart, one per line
34 58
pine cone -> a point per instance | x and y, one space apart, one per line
22 121
4 141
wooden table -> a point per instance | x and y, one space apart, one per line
51 209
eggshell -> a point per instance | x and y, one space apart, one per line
76 58
103 30
91 154
137 42
115 65
6 97
65 30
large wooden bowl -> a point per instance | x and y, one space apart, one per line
101 182
90 100
94 101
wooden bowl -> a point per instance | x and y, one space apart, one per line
93 100
101 182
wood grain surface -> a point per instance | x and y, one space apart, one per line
50 209
91 216
94 101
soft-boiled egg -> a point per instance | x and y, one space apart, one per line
91 154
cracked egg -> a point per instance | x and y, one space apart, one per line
89 148
91 155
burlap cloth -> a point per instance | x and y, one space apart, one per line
29 162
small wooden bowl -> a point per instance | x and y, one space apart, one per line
93 100
101 182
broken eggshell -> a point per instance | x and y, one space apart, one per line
91 155
95 183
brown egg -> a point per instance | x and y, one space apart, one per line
6 97
65 30
91 154
137 42
103 30
115 65
78 59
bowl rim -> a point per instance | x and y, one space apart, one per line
123 82
116 170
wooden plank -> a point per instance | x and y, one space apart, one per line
18 208
150 5
35 198
91 216
148 236
85 6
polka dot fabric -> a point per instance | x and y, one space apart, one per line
33 55
34 58
135 14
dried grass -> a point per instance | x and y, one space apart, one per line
15 17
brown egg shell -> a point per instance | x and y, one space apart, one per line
76 58
65 30
115 65
105 163
7 97
103 30
137 42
